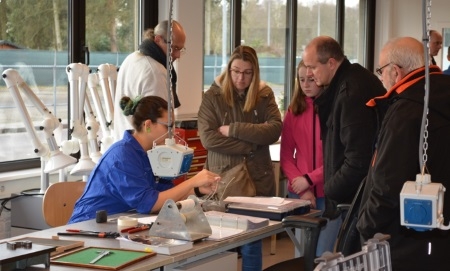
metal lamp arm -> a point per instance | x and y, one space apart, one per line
78 74
107 139
112 79
53 157
92 127
103 74
92 85
74 71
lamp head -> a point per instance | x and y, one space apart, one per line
58 160
83 168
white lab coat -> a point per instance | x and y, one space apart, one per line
139 75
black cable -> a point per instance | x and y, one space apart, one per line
23 193
5 201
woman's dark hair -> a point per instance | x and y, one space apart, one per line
142 109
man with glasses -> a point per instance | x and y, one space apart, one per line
348 126
144 72
435 45
397 157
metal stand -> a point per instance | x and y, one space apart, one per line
183 220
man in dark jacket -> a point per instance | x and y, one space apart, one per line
396 159
348 126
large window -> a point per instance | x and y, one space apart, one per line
217 39
36 46
34 40
264 25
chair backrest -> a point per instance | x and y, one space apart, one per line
59 201
348 241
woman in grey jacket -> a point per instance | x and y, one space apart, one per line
239 118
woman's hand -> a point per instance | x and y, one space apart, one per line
309 195
206 181
299 184
224 130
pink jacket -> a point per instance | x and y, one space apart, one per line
297 153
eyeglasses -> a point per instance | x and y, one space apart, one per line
176 48
380 70
165 124
246 73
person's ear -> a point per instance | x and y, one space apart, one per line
147 125
159 39
398 72
332 63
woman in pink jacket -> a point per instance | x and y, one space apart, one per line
301 156
301 148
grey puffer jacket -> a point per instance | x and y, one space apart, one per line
250 134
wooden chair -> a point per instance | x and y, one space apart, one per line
59 201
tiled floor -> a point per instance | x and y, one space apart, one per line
284 251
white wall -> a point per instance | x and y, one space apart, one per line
397 18
190 66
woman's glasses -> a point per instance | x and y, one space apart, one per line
246 73
165 124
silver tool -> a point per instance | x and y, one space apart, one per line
101 255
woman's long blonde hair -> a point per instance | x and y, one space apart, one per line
244 53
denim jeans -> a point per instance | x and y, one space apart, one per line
329 233
328 236
252 256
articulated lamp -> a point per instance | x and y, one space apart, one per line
78 75
52 158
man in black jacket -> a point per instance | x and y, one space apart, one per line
396 159
348 126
